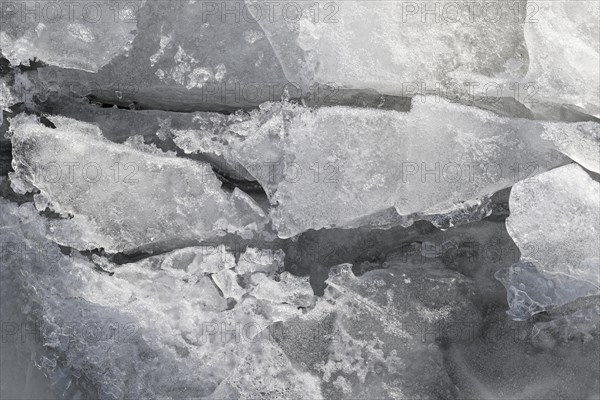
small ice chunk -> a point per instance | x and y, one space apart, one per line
554 222
118 197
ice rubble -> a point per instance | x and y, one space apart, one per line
548 52
219 325
84 35
114 336
121 196
334 165
555 222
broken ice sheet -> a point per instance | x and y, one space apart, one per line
555 221
84 35
331 166
119 197
164 313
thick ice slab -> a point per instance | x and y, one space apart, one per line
83 35
334 165
122 196
555 222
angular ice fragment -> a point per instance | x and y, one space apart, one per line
332 166
84 35
122 331
120 198
555 222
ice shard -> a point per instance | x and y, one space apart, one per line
555 222
120 197
83 35
331 166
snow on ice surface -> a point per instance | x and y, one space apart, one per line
84 35
117 196
554 219
333 165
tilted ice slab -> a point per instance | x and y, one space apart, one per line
376 336
121 196
84 35
164 327
334 165
554 219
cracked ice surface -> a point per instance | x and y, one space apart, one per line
154 197
333 165
555 222
84 35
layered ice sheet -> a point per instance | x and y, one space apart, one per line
334 165
83 35
122 196
555 222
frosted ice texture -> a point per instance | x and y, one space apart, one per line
121 332
84 35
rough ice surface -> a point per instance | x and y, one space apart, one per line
299 200
549 51
395 48
333 165
564 53
581 145
154 197
555 222
84 35
186 55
